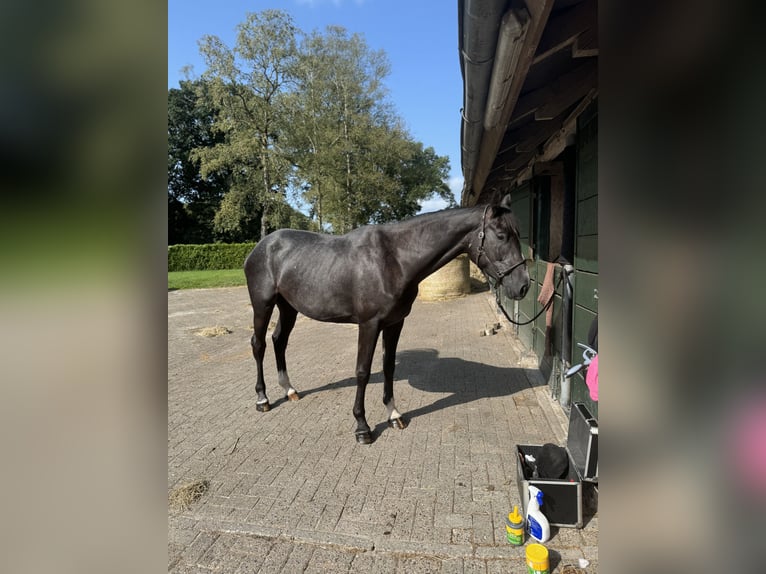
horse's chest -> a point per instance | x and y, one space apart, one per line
400 306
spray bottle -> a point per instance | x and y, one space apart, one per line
537 524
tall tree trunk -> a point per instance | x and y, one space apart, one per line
319 206
263 224
349 223
266 189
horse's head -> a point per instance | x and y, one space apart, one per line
499 252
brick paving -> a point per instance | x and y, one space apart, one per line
290 490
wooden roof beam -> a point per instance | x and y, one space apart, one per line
550 100
564 28
557 142
551 168
539 11
528 138
586 44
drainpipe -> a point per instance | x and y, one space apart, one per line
478 34
567 299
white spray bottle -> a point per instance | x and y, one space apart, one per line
538 526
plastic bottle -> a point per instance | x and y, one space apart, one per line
514 527
537 559
538 526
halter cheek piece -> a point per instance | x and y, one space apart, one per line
501 273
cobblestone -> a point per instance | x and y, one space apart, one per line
291 491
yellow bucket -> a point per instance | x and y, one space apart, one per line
537 559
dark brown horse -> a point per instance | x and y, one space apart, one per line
370 277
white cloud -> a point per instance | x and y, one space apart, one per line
456 187
436 203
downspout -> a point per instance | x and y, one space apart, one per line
567 299
479 22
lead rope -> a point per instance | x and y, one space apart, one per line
545 307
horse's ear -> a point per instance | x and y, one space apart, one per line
503 207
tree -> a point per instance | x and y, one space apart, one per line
417 174
357 164
192 198
248 87
340 100
306 114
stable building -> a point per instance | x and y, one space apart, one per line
530 128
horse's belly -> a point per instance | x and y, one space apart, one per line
324 295
323 305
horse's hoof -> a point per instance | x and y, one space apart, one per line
397 423
262 407
293 397
364 437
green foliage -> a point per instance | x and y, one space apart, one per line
339 108
208 256
193 198
248 85
307 115
357 163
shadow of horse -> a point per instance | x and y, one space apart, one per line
464 381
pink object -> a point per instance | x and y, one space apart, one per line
748 445
591 378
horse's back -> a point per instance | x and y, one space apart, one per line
275 245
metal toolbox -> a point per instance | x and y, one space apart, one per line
562 498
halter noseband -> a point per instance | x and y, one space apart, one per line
501 273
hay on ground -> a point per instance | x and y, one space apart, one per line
182 497
214 331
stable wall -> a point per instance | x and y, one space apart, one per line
549 229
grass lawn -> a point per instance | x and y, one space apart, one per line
199 279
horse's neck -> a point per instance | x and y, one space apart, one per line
438 240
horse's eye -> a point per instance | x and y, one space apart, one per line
501 236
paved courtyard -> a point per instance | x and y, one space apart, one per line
290 490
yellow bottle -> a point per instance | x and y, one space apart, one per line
537 559
514 527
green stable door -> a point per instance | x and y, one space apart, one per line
585 280
531 203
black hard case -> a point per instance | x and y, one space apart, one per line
562 498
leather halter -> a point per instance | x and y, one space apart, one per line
501 273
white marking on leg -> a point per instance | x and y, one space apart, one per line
262 401
284 382
392 412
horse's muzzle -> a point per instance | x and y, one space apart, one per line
516 288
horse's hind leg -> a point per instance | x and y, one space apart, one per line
261 316
390 340
287 316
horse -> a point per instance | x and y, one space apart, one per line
370 277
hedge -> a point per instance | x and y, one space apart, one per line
208 256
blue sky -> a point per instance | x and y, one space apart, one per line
419 37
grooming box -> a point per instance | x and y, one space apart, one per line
562 498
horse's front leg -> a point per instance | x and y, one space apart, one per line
368 338
390 340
